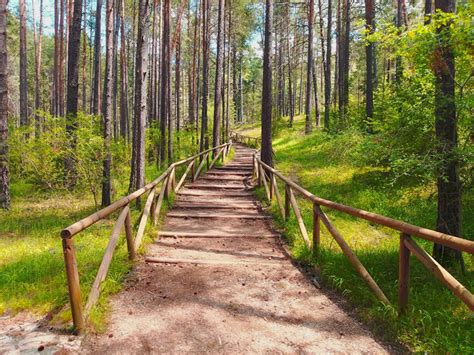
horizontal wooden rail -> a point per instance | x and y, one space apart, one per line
240 138
424 233
152 207
407 244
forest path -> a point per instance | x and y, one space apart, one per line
218 280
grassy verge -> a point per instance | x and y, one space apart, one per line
436 321
32 276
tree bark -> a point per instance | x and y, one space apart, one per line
124 120
448 182
204 142
107 101
138 165
428 11
97 59
165 72
38 39
84 59
369 53
4 171
62 59
24 121
266 152
216 130
73 90
309 69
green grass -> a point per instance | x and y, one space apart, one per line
436 320
32 276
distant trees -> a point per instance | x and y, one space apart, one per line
266 151
309 70
4 171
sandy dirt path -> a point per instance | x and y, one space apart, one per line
221 282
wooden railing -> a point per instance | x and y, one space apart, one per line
267 176
152 207
254 142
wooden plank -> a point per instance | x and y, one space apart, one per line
216 186
217 215
316 229
265 184
159 203
144 219
360 268
403 274
206 205
183 178
299 218
129 236
106 260
175 234
198 171
223 193
215 159
209 262
287 202
441 273
278 197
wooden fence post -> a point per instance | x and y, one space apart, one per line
129 236
192 170
403 274
287 201
316 229
73 285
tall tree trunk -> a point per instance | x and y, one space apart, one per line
73 90
229 43
369 53
398 59
107 100
97 59
309 68
62 58
55 85
204 143
428 11
115 62
291 98
38 39
216 130
140 114
177 86
4 172
448 182
84 59
344 60
192 76
24 121
165 71
316 100
266 152
124 120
